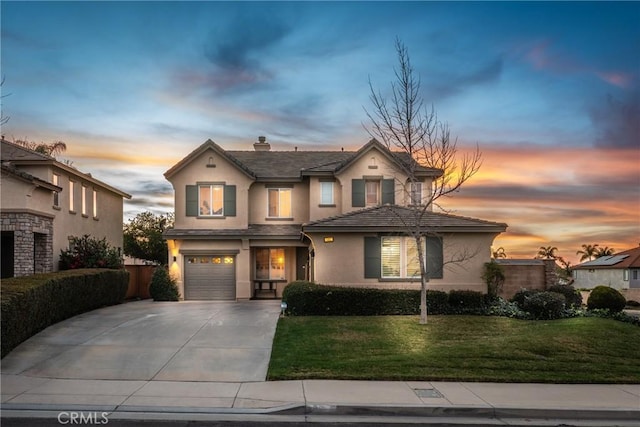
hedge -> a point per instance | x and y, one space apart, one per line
30 304
309 299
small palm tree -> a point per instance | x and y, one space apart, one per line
606 251
52 150
499 253
565 267
588 252
548 252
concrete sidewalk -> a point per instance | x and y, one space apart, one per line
22 396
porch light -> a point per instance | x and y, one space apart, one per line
283 307
328 239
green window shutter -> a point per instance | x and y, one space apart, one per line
435 259
388 192
192 200
372 257
229 200
357 193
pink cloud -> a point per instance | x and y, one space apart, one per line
542 57
616 78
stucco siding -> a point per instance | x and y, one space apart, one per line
18 195
588 279
318 211
371 164
342 262
199 170
259 203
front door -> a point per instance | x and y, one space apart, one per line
302 263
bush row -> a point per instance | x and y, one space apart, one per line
30 304
309 299
306 299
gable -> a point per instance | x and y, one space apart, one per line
213 154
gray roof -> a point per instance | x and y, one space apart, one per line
290 164
13 152
14 156
389 218
254 231
293 165
10 169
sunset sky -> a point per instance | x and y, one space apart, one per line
550 92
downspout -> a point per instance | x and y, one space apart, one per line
312 250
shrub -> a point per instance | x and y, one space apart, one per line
493 276
163 287
633 303
32 303
572 296
501 307
461 301
89 252
604 297
522 295
308 299
545 305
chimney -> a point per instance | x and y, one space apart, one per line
262 144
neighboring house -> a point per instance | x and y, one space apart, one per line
44 202
620 271
245 220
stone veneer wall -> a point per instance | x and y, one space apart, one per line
32 242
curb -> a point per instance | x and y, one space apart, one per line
476 412
328 410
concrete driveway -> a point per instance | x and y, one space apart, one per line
145 340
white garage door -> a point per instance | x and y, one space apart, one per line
210 277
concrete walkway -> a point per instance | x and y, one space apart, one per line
25 396
207 361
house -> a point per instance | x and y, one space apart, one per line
44 202
620 271
252 220
248 222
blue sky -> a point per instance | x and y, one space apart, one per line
549 90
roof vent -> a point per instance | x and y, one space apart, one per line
262 144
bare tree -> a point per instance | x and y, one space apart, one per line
404 124
3 119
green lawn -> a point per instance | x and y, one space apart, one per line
456 348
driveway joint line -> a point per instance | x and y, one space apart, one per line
180 348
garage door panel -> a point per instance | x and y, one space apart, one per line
210 280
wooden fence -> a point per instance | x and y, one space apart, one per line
139 280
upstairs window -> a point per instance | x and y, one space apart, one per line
72 187
280 203
211 199
326 193
83 199
56 195
95 204
416 193
372 192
